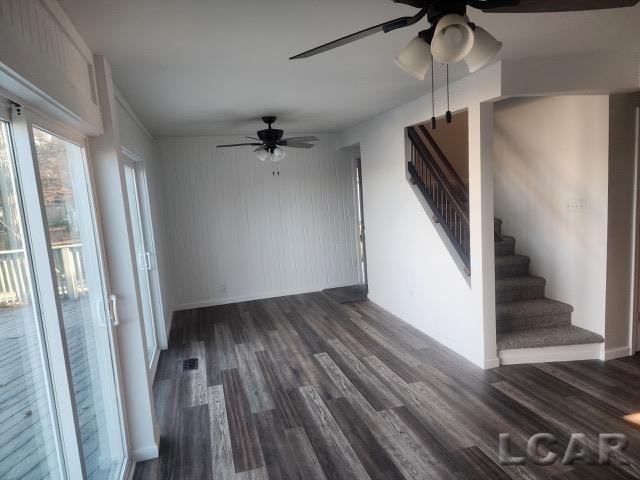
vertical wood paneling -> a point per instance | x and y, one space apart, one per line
234 230
31 22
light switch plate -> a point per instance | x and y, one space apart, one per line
576 204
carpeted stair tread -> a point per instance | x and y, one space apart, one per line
506 246
525 281
512 266
547 337
531 308
512 260
518 286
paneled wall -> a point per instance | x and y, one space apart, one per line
237 230
46 63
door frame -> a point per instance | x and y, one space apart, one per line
634 328
144 204
360 232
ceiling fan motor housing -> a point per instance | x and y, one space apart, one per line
270 136
439 8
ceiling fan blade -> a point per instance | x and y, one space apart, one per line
414 3
240 145
253 138
260 148
286 141
383 27
540 6
299 145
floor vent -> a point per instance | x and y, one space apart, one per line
191 364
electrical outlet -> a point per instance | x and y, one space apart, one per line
576 204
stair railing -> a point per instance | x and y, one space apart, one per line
442 189
461 189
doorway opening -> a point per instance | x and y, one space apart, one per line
358 292
362 244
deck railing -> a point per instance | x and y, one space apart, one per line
14 274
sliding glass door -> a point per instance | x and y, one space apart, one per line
144 258
30 446
82 294
60 406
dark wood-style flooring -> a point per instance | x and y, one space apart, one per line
302 387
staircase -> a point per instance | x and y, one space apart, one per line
529 326
525 318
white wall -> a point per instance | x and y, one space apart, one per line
117 239
236 231
548 151
623 182
411 272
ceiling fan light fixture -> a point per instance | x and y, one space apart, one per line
262 155
453 39
415 58
278 154
485 48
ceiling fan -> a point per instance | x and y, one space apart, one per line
270 141
451 37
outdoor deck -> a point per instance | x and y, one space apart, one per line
27 449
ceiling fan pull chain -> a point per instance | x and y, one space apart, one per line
448 99
433 98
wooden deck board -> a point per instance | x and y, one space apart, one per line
23 453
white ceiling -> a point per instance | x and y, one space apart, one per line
201 67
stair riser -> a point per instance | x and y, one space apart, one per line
519 294
505 248
512 271
528 323
497 226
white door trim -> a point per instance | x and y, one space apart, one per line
634 331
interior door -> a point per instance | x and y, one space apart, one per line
144 258
81 288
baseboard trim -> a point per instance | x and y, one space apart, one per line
258 296
618 352
563 353
145 453
490 363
